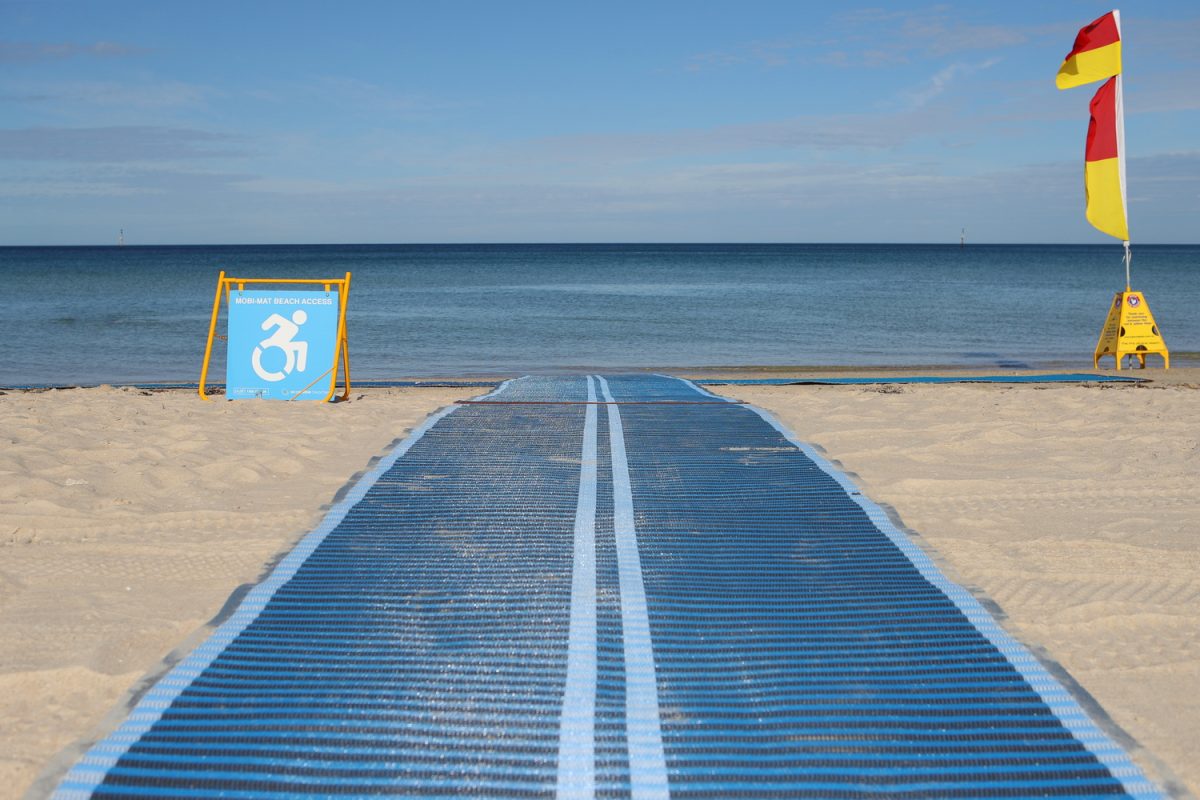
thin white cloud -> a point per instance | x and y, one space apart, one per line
768 53
1163 92
901 200
936 36
815 133
141 95
305 187
874 38
115 144
114 180
345 95
941 80
1175 38
28 52
43 187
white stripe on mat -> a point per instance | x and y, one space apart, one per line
577 723
643 730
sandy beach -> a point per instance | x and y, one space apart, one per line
1071 507
128 519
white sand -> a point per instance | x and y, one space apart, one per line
126 520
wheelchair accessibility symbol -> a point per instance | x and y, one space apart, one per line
295 353
281 344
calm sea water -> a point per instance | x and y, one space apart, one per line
107 314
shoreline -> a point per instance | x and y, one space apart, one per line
950 245
130 518
1182 363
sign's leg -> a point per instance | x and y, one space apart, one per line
212 330
346 369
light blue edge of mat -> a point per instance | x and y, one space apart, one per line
86 775
1057 698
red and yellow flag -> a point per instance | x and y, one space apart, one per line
1096 54
1104 163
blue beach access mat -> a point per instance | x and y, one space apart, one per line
606 587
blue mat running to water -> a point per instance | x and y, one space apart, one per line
606 587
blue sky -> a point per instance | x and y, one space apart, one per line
220 122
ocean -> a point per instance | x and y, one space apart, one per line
88 315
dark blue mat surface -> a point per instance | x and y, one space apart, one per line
627 593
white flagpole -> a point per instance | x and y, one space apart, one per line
1121 168
1121 147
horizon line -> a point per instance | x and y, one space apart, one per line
607 244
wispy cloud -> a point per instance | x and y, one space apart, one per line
25 97
100 180
27 52
1034 201
1164 92
768 53
1175 38
941 80
115 144
344 95
367 95
778 200
874 38
935 34
816 136
931 32
138 94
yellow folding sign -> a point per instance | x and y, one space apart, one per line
1130 331
282 343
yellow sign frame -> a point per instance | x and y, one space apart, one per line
341 352
1130 330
